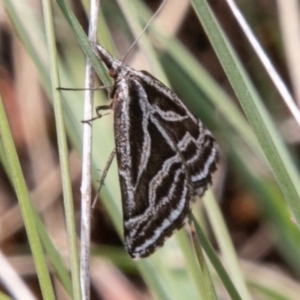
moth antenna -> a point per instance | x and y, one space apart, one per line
143 31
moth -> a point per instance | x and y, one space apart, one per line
165 156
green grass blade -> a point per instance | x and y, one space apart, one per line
26 206
274 149
83 41
54 257
205 280
226 247
216 262
63 149
193 269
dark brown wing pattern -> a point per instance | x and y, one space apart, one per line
165 157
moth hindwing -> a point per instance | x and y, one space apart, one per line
165 156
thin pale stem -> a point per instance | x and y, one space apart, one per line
86 188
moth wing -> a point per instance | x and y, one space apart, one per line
162 152
193 140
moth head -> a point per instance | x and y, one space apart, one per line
114 69
113 72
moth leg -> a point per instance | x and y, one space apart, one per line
98 114
102 107
104 173
83 89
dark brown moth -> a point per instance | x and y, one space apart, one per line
165 156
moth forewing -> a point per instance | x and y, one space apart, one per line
165 156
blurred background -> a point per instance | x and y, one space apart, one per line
260 225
